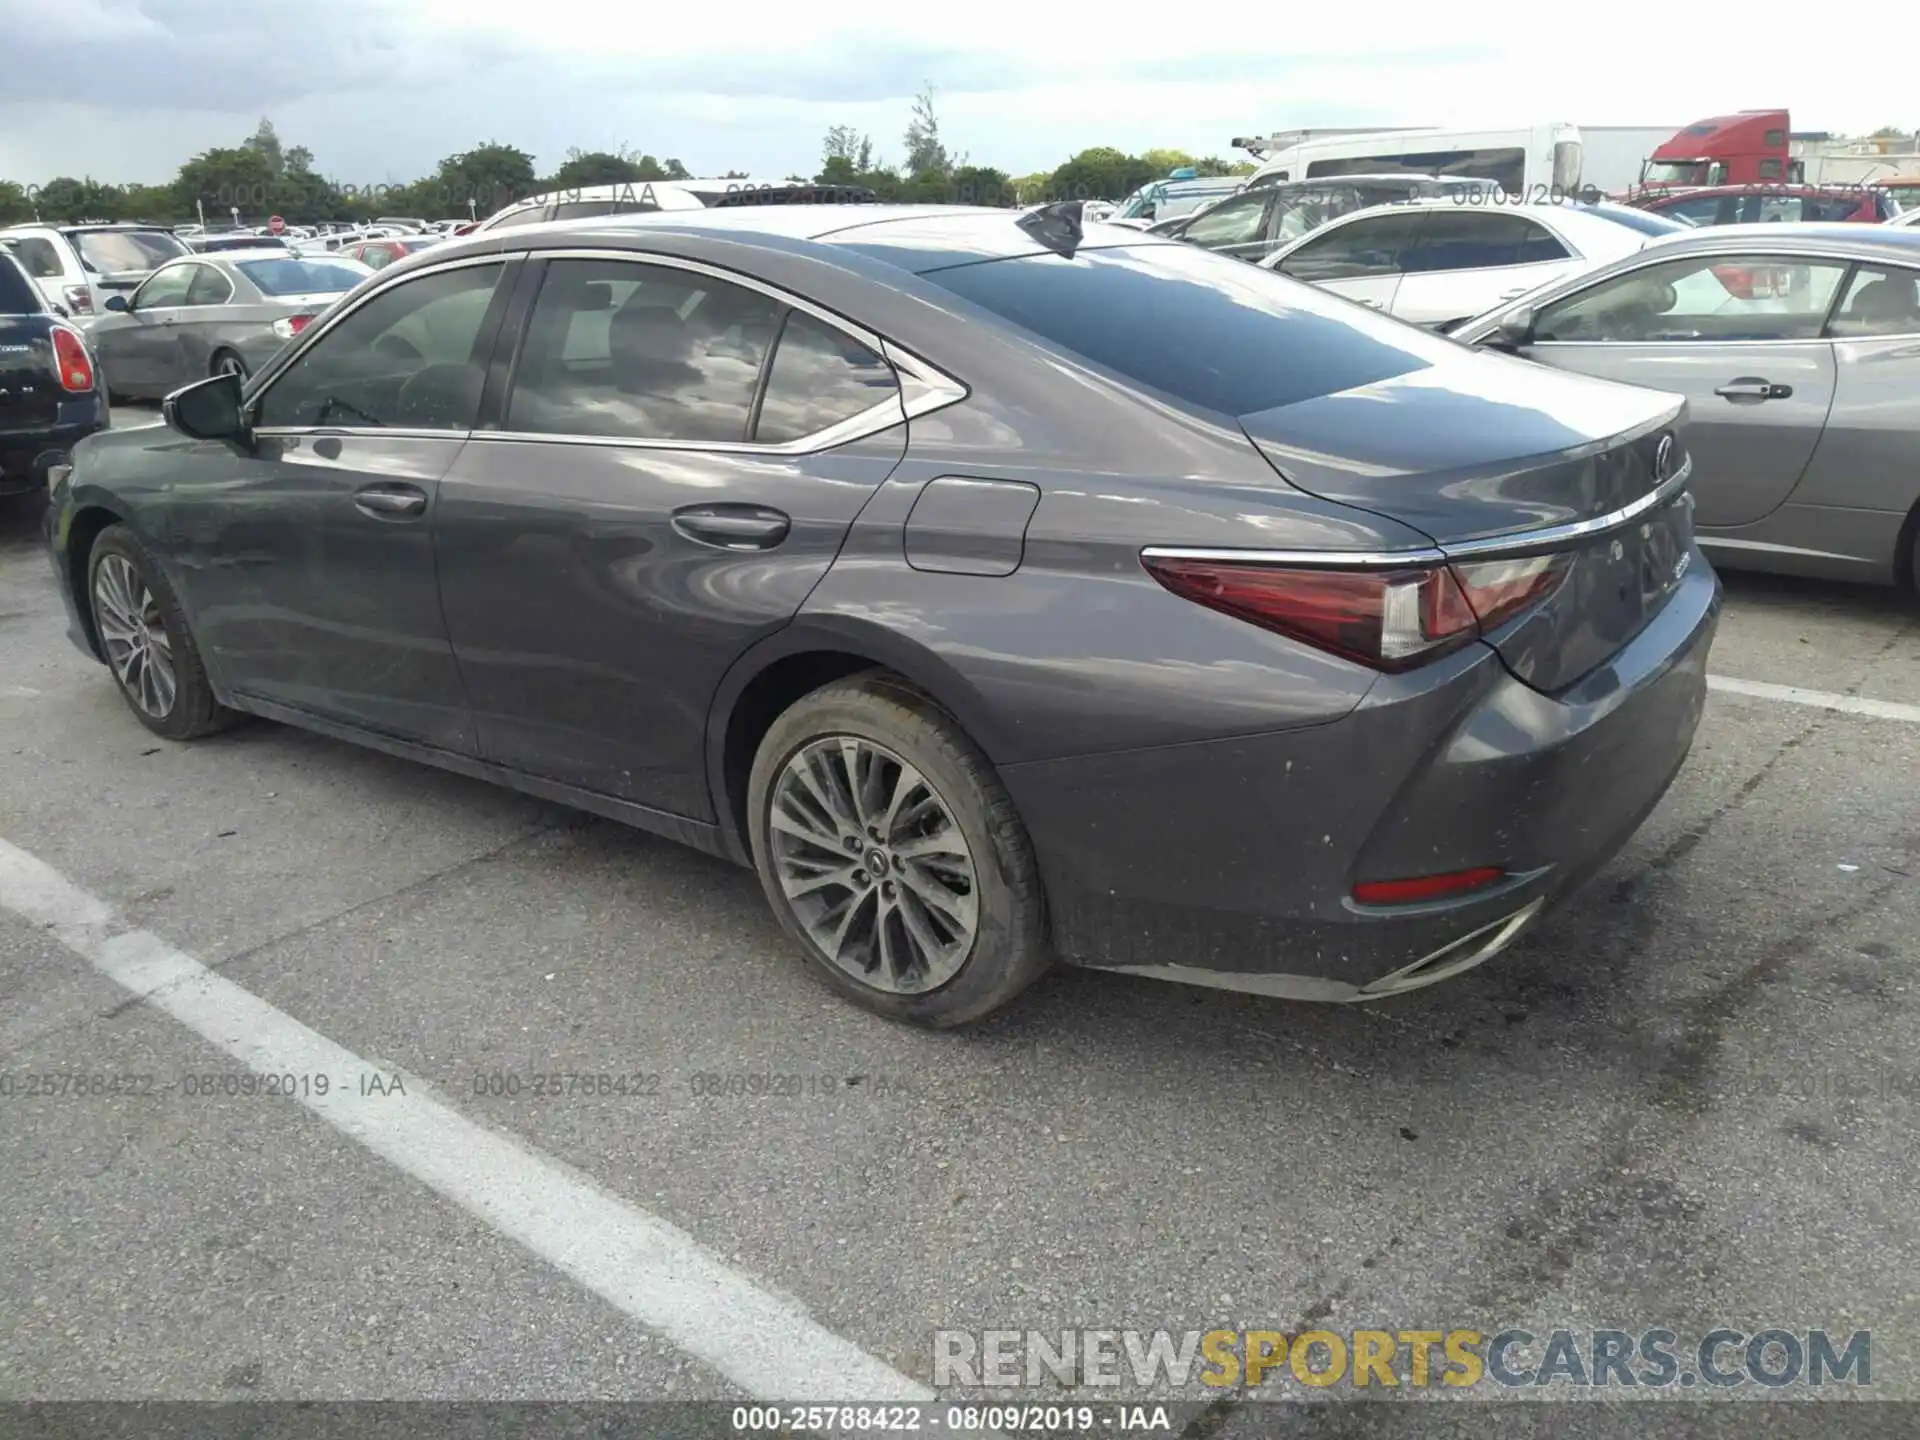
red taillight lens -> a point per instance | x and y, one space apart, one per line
289 326
79 299
1386 619
71 361
1425 887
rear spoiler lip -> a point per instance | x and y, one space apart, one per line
1513 543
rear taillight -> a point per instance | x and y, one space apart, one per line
71 361
79 299
1388 620
291 325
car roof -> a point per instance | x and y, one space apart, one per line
912 237
1896 243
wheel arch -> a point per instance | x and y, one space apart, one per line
766 681
82 529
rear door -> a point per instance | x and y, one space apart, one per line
669 474
1361 259
1470 258
1740 337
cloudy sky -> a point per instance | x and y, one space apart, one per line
379 90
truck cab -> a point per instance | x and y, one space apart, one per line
1748 148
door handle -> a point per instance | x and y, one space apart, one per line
1753 387
733 527
390 502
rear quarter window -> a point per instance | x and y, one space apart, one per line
1211 331
17 294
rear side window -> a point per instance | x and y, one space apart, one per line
1210 331
17 295
39 258
1377 245
209 287
1880 300
819 378
530 215
1481 240
629 350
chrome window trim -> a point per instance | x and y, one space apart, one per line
922 388
1515 542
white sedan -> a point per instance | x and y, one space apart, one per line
1438 262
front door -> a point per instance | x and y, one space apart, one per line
1740 337
140 346
639 518
308 562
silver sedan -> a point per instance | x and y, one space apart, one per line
205 315
1798 350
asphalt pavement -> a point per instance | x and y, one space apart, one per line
1687 1100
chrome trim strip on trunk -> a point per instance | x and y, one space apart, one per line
1518 542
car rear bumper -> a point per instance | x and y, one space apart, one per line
27 455
1232 862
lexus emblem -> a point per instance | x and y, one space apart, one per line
1663 460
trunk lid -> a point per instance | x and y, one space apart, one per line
30 392
1495 456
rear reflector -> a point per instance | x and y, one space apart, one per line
71 360
1425 887
1388 620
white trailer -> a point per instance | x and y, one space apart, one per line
1610 155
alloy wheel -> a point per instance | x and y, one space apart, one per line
134 636
873 864
230 365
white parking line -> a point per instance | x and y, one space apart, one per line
1821 699
764 1343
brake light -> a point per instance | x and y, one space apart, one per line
71 361
79 299
291 325
1425 887
1388 620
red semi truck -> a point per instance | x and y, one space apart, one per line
1749 148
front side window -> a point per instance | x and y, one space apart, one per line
629 350
820 377
1880 300
1701 300
1481 239
165 289
1232 222
1373 246
413 357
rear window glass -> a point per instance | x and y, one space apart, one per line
106 251
1208 330
17 295
301 277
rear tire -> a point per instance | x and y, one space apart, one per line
149 648
919 875
225 362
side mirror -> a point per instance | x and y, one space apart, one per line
207 410
1514 333
118 304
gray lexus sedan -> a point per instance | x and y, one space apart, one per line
227 312
1000 588
1798 347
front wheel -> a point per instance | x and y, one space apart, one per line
144 637
893 855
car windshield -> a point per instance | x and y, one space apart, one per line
302 276
104 252
1204 328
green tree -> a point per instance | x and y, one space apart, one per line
156 203
14 204
67 199
1101 173
594 167
981 185
487 177
224 180
845 144
926 153
1890 132
265 142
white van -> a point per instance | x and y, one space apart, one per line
1539 162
